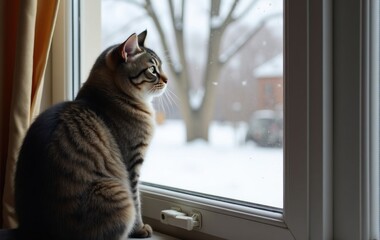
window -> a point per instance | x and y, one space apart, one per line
322 167
156 199
226 156
250 195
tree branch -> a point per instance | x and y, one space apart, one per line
233 50
176 25
229 17
148 7
215 8
182 11
246 10
178 32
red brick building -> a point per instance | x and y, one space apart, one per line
269 78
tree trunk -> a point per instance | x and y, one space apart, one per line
197 126
198 120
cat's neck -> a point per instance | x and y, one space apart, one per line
111 99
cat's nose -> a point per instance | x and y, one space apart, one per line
164 78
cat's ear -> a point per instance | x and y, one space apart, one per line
141 38
130 47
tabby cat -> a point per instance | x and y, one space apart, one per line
79 166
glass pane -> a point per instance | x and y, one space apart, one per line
220 123
374 79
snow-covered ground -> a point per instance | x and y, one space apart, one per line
221 167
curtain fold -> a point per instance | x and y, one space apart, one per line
35 29
10 22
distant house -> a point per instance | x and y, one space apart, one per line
269 78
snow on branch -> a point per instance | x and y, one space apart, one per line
216 22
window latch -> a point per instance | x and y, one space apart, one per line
175 217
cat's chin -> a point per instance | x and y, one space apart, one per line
156 94
158 91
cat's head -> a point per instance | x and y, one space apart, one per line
138 69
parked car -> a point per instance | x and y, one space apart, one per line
265 127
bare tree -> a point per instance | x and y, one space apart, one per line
197 118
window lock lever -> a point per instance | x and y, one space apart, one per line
180 219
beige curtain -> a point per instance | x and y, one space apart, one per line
34 33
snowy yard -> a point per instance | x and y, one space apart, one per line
221 167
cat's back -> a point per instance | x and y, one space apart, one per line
42 134
38 137
30 178
66 149
33 160
67 135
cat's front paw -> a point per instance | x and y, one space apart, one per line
144 232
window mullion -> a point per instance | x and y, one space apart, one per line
348 125
320 119
296 110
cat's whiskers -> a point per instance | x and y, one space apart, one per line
165 101
168 99
162 105
167 108
170 94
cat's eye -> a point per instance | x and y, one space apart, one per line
152 70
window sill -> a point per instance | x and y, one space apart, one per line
160 236
7 234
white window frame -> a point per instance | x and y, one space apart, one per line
325 191
370 119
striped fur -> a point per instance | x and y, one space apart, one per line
79 166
